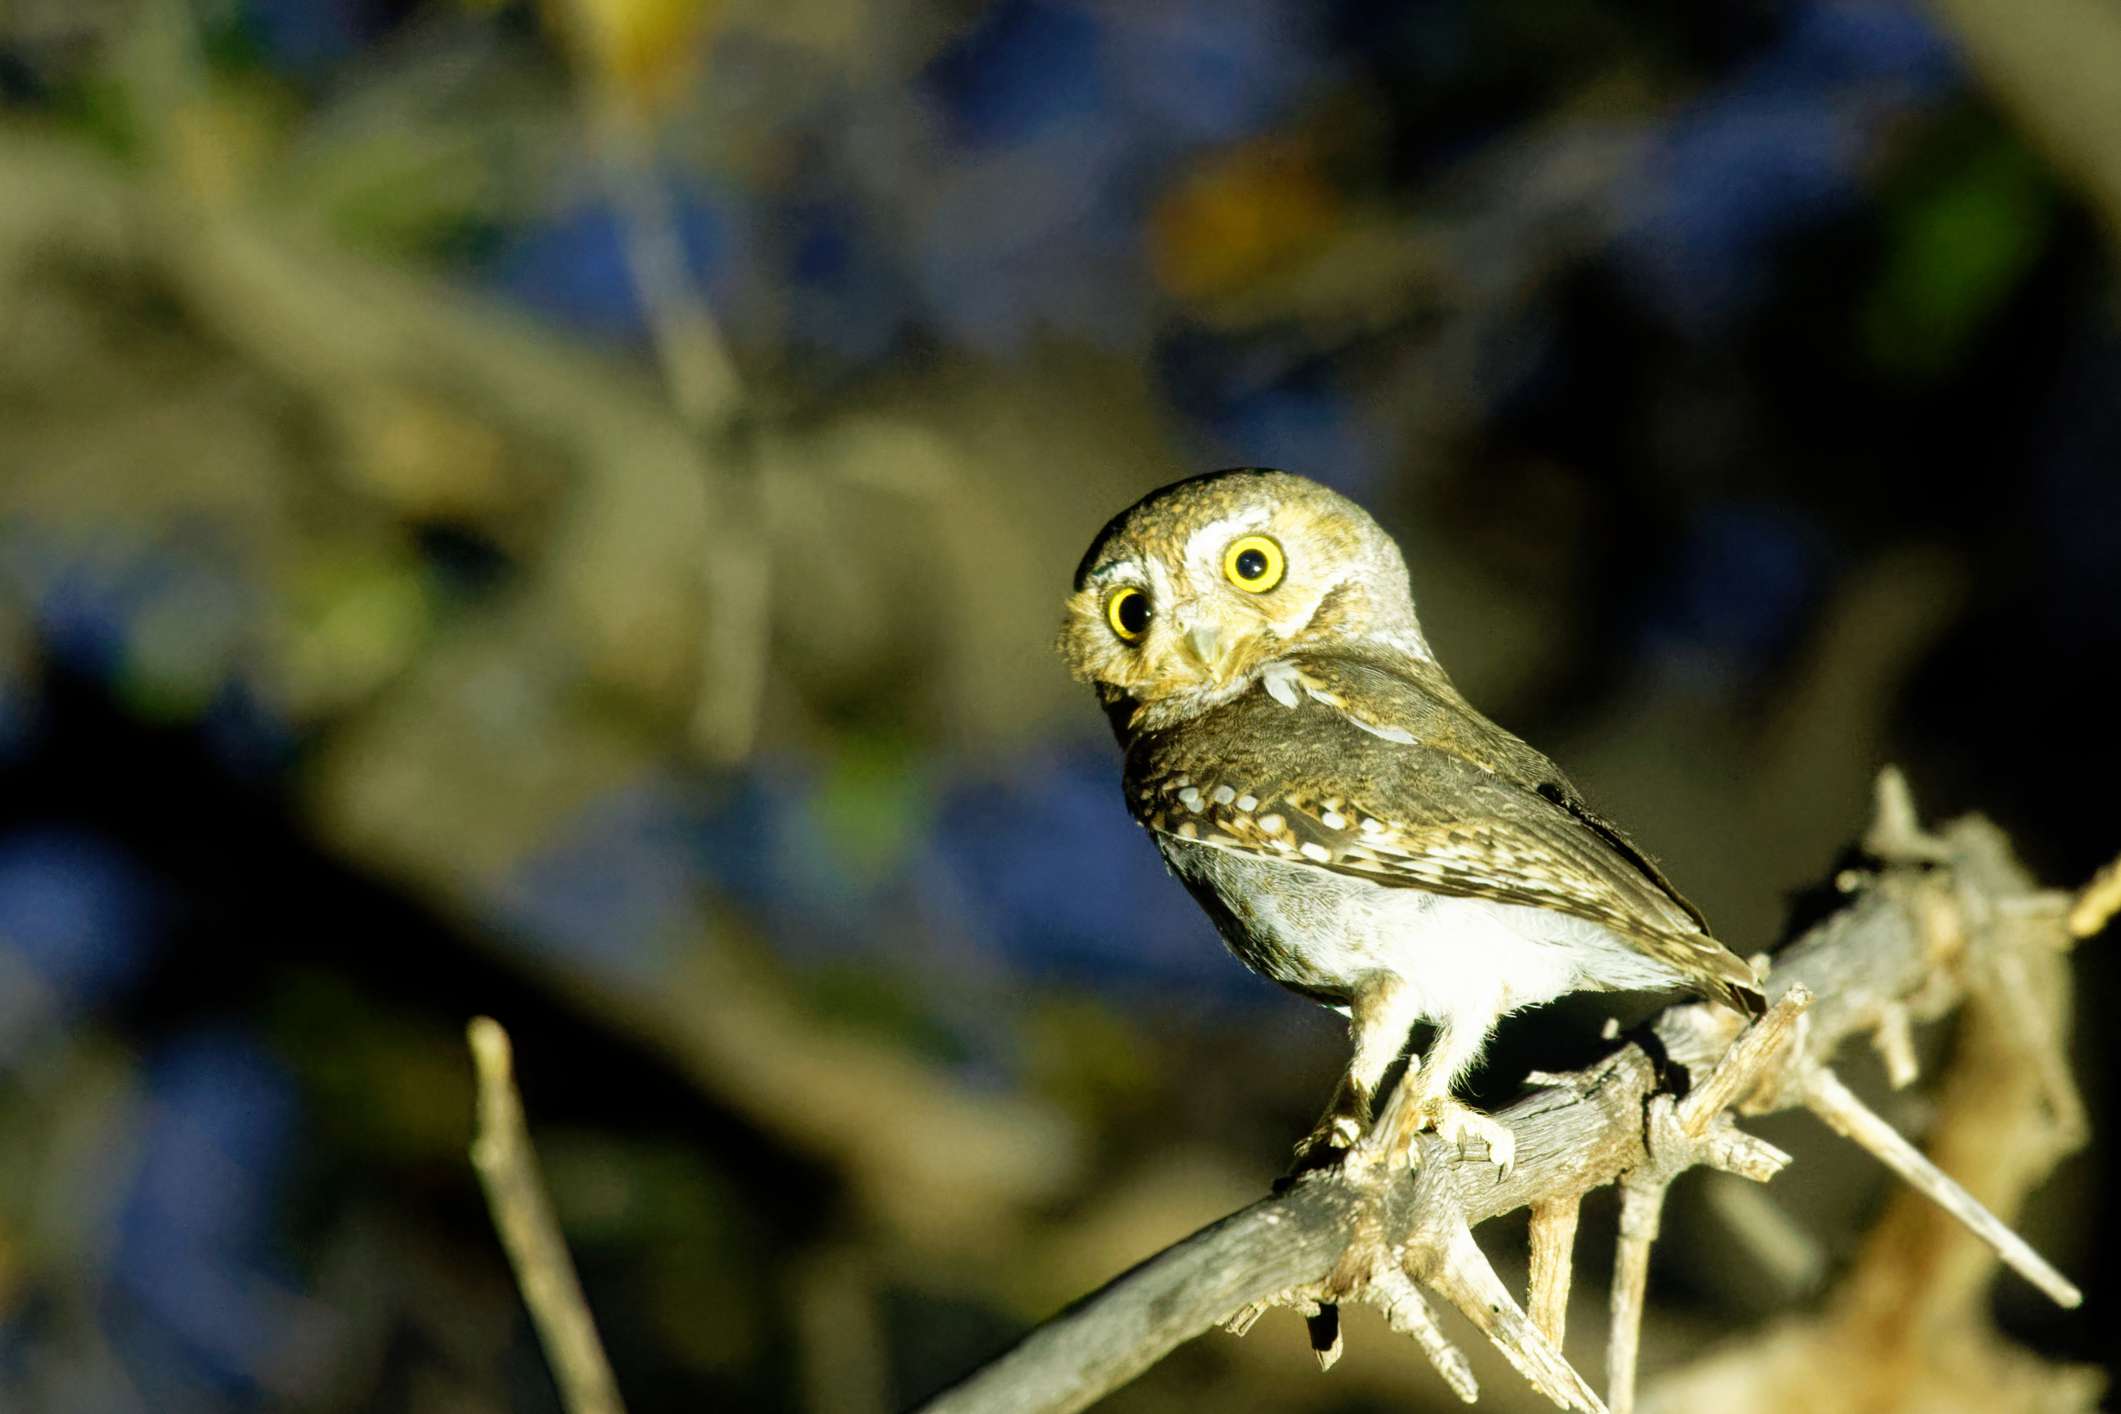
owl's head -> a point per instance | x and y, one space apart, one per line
1188 593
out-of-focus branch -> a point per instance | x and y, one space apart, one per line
2054 66
522 1214
618 72
1931 929
420 788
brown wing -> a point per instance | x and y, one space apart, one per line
1404 784
1368 689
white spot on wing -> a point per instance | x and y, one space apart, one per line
1386 730
1280 679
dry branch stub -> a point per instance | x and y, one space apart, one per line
530 1231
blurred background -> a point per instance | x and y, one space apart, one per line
560 511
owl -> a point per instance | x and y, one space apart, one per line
1355 829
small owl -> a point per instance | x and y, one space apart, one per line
1356 830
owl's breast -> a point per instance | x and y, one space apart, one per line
1318 932
1313 931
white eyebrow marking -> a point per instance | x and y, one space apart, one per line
1205 545
1119 572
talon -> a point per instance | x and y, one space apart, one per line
1323 1146
1455 1123
1335 1138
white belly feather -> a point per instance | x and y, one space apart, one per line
1462 959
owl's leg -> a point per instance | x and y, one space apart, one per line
1424 1100
1380 1018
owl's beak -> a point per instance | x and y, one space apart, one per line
1204 645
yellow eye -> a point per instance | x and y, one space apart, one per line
1128 612
1253 563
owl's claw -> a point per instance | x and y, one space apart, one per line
1455 1122
1326 1146
1337 1134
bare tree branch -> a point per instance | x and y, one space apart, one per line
1553 1242
1835 1103
1940 918
522 1213
1641 1211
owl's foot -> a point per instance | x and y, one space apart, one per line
1455 1122
1338 1131
1329 1142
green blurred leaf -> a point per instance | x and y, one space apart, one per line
359 619
874 803
1954 256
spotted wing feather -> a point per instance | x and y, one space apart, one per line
1379 774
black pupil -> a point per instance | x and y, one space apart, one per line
1133 612
1251 564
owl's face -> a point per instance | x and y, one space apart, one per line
1187 594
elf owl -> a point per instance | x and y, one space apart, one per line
1355 829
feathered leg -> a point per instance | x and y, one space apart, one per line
1423 1098
1380 1018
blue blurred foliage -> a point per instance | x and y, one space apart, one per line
1255 402
1779 147
1025 69
246 731
1739 590
1048 870
1071 118
82 596
77 920
632 877
1066 120
570 264
161 623
844 295
305 37
1168 78
619 890
199 1290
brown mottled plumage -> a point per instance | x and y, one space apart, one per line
1355 828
